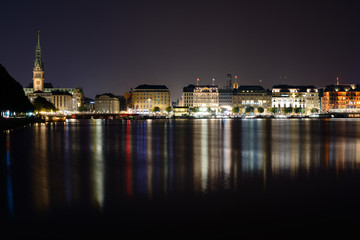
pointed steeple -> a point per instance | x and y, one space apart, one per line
38 64
38 70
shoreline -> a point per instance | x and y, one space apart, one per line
14 123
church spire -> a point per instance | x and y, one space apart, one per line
38 70
38 64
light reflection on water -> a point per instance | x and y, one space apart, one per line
102 162
97 161
9 187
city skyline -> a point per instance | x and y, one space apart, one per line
114 47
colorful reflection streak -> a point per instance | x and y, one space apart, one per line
9 190
100 163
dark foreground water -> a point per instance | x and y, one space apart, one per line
170 178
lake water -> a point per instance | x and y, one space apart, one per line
257 176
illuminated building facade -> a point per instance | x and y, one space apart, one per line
181 111
187 99
225 98
206 96
107 103
45 89
146 97
341 98
251 96
47 95
63 101
305 97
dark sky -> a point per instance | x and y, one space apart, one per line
112 46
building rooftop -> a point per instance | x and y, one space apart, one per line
145 86
250 88
58 92
285 87
191 87
46 85
106 94
342 87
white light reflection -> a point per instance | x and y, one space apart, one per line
275 148
97 162
227 152
307 146
294 146
40 169
149 163
166 159
204 155
67 164
357 148
249 154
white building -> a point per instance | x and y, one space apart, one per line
305 97
107 103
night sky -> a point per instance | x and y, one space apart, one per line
112 46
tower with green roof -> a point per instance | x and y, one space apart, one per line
38 70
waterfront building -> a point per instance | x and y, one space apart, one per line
251 96
63 101
181 111
226 98
89 104
187 99
146 97
33 95
304 97
341 98
38 87
77 99
48 87
107 103
206 96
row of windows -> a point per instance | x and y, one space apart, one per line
162 98
343 103
155 93
154 102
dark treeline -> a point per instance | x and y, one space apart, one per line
12 96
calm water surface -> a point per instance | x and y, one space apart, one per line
182 172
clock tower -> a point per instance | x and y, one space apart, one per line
38 70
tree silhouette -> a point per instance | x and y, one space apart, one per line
12 96
249 109
155 109
41 104
168 109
